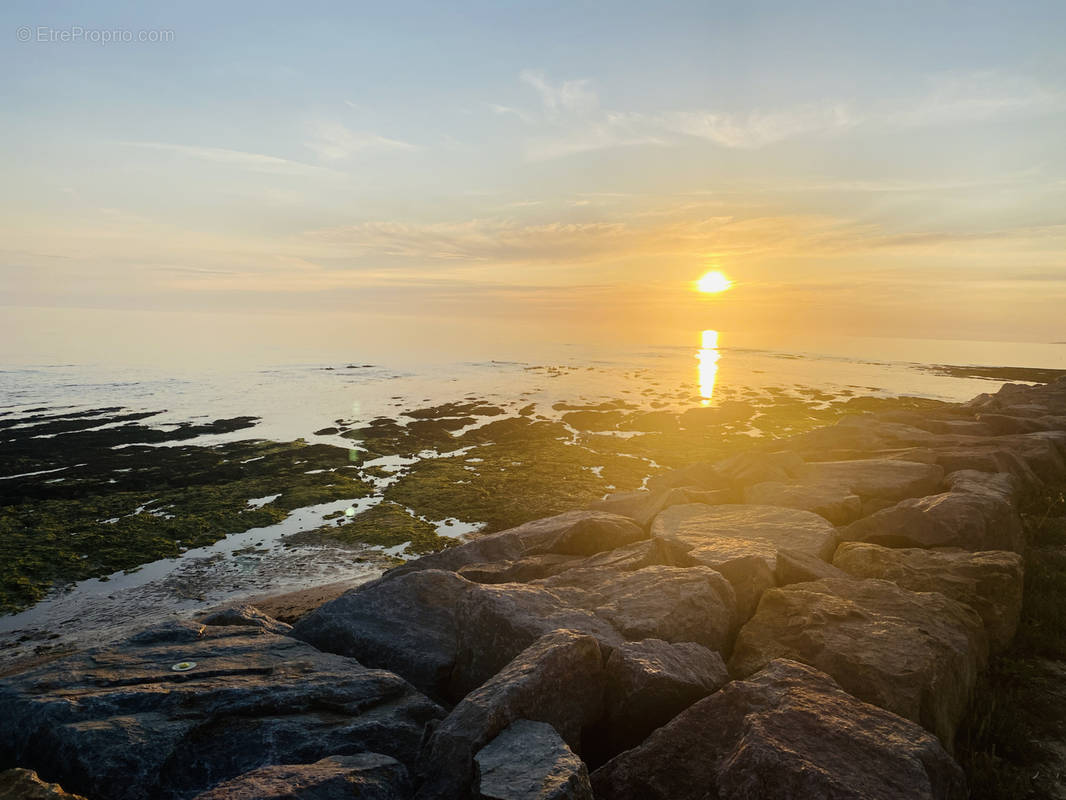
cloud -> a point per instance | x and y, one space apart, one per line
571 119
332 141
255 162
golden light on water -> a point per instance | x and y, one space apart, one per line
708 367
713 282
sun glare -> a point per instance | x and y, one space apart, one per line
713 282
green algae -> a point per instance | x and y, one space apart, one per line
383 525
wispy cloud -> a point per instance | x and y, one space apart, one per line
255 162
333 141
571 120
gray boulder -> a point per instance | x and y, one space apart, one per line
180 707
969 520
833 501
495 623
990 582
366 776
558 680
796 567
915 654
702 534
786 732
885 478
652 681
678 605
246 615
404 624
530 761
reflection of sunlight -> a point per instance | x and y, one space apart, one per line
708 357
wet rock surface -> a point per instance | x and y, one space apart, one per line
180 707
788 731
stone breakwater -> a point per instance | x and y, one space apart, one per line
803 621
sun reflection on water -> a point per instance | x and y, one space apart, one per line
708 368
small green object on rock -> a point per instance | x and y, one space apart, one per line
183 666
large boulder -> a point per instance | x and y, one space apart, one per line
576 533
404 624
915 654
786 732
834 501
1002 485
969 520
496 622
246 615
884 478
650 682
679 605
180 707
756 466
989 581
558 680
796 567
714 535
366 776
530 761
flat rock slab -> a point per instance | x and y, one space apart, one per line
404 624
969 520
121 722
366 776
889 479
558 680
530 761
713 535
836 502
788 731
694 604
989 581
915 654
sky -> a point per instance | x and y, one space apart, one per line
856 168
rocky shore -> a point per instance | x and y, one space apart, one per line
807 619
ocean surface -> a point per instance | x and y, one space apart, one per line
311 390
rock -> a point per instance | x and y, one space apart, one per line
593 420
787 732
524 569
366 776
678 605
647 505
752 467
497 622
404 624
624 559
970 520
247 700
990 582
915 654
558 680
652 681
833 501
702 534
246 615
700 476
530 761
796 567
1001 424
884 478
23 784
997 484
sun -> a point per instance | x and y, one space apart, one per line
713 282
